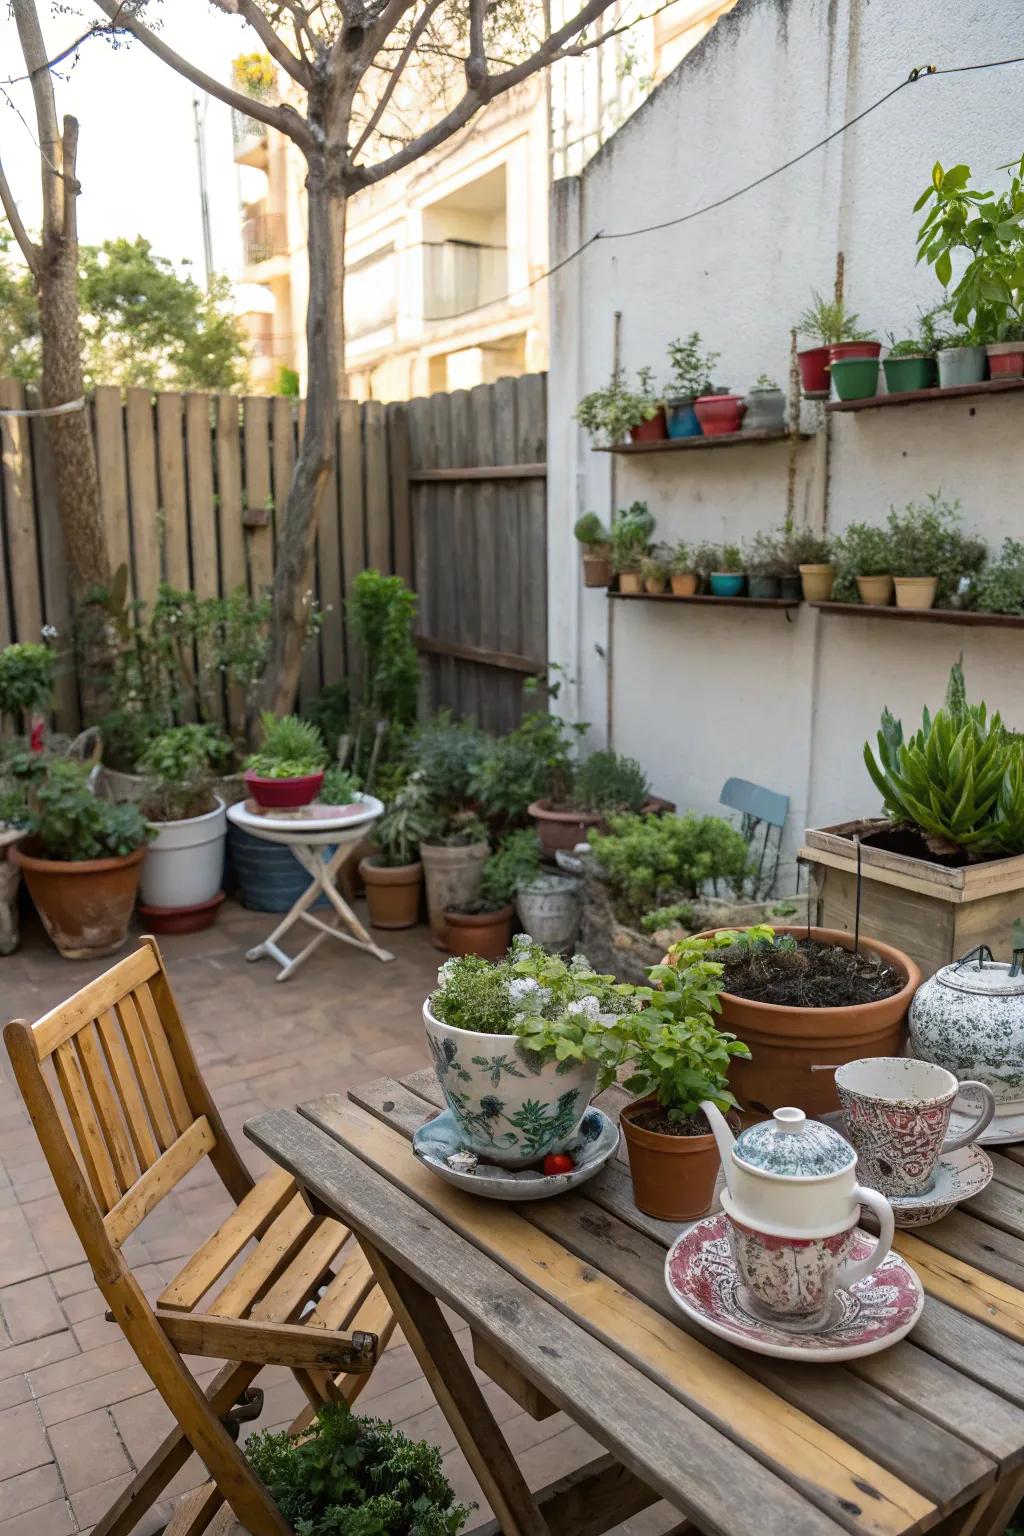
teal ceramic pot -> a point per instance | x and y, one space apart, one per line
727 583
763 586
907 373
960 366
682 418
855 378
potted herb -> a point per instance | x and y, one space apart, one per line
595 539
81 860
288 770
517 1047
835 335
728 580
678 1058
720 413
930 554
654 568
704 558
483 926
692 373
764 563
610 413
683 576
863 552
531 767
959 353
346 1473
630 543
1000 586
910 364
444 759
393 872
603 784
811 554
180 884
765 406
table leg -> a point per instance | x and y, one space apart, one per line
345 912
269 945
461 1400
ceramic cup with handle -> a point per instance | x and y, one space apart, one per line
897 1114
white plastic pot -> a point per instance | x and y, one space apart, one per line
184 863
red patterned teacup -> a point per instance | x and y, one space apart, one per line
897 1115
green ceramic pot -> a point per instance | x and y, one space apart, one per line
762 586
855 378
906 373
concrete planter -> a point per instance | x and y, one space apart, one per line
766 411
453 880
10 882
549 910
185 862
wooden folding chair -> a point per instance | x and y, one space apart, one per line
139 1118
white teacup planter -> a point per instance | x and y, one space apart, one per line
512 1109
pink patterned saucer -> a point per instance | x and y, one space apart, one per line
701 1277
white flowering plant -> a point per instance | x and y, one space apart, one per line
559 1010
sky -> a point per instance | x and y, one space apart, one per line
137 154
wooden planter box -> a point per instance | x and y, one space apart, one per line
934 913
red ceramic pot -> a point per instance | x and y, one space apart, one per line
1006 365
650 431
719 414
843 349
284 794
814 379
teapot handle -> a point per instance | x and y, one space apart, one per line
858 1269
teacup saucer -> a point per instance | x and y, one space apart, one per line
439 1139
958 1176
702 1279
999 1132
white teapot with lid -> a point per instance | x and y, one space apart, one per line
793 1205
969 1018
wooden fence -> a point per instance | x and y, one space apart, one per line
191 487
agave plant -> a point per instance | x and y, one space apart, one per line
959 779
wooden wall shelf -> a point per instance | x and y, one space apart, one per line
925 615
697 444
708 599
922 396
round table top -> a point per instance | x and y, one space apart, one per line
313 824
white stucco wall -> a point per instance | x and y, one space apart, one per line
701 694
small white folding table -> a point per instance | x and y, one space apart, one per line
322 839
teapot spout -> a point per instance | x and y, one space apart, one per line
724 1137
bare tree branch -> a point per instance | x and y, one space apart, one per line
395 72
26 244
476 64
69 153
101 29
283 117
32 46
271 40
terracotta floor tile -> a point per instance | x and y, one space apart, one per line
23 1443
88 1450
36 1353
30 1310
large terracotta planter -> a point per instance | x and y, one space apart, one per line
392 892
673 1176
785 1043
85 904
487 934
563 827
452 877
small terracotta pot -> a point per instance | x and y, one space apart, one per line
1005 359
814 377
719 414
817 582
597 570
487 934
630 581
915 591
650 431
85 904
673 1176
655 585
284 794
392 893
875 591
181 919
684 584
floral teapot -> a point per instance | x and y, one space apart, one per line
969 1018
793 1205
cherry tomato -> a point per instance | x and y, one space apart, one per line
558 1162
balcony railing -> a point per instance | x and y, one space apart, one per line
459 276
263 235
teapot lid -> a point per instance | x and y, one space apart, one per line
977 973
789 1146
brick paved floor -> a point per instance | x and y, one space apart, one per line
77 1413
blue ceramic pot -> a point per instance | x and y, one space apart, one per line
682 418
727 583
270 877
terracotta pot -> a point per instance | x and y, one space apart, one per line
817 582
719 414
597 570
284 794
630 581
684 584
875 591
814 378
85 904
452 878
393 894
203 914
785 1043
915 591
655 585
673 1176
487 934
564 828
650 431
1005 359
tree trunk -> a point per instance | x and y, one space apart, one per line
294 559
